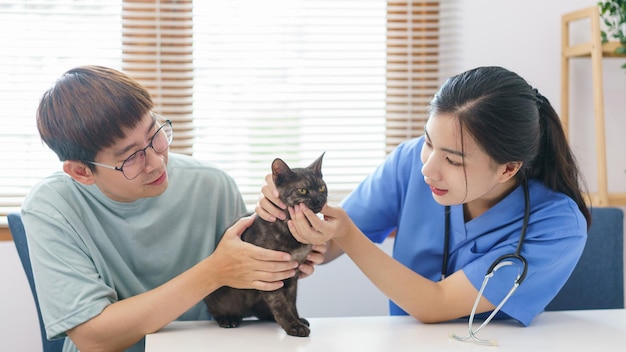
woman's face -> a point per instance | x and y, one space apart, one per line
462 173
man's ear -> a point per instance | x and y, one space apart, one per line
510 170
79 171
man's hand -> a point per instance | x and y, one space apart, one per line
244 265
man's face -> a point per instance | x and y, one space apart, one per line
151 182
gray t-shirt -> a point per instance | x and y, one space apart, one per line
88 251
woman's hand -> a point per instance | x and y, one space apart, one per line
307 227
314 258
269 207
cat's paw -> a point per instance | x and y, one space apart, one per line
304 321
228 322
299 330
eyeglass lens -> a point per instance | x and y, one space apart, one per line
160 141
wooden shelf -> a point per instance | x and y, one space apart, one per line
613 199
584 50
596 50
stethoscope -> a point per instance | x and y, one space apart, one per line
500 262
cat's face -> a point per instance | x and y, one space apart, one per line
300 185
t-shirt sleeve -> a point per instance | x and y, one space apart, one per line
61 263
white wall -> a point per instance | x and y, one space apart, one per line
19 327
339 288
523 36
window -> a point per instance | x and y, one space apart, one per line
244 81
40 40
420 54
290 79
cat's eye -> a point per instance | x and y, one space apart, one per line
322 189
303 191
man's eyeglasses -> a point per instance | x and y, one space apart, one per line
134 165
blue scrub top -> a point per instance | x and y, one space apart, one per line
395 196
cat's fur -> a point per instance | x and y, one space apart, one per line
229 306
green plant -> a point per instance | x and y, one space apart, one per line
613 14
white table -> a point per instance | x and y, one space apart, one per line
592 330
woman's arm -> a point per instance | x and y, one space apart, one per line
423 299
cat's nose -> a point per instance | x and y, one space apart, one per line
316 205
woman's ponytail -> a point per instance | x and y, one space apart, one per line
555 164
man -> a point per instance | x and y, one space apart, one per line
125 240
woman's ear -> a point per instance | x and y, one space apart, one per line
510 170
79 171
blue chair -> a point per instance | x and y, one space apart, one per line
598 279
19 237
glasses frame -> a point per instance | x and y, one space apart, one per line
157 117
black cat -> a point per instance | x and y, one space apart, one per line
229 306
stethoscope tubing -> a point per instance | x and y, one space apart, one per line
516 255
498 263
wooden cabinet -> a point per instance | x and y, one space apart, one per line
597 51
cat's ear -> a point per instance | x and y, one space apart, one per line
281 172
316 166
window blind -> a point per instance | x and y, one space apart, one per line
157 51
40 40
421 46
244 81
290 79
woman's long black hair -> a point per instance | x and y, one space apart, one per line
511 121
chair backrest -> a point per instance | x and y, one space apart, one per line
598 279
19 237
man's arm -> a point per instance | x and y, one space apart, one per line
234 263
